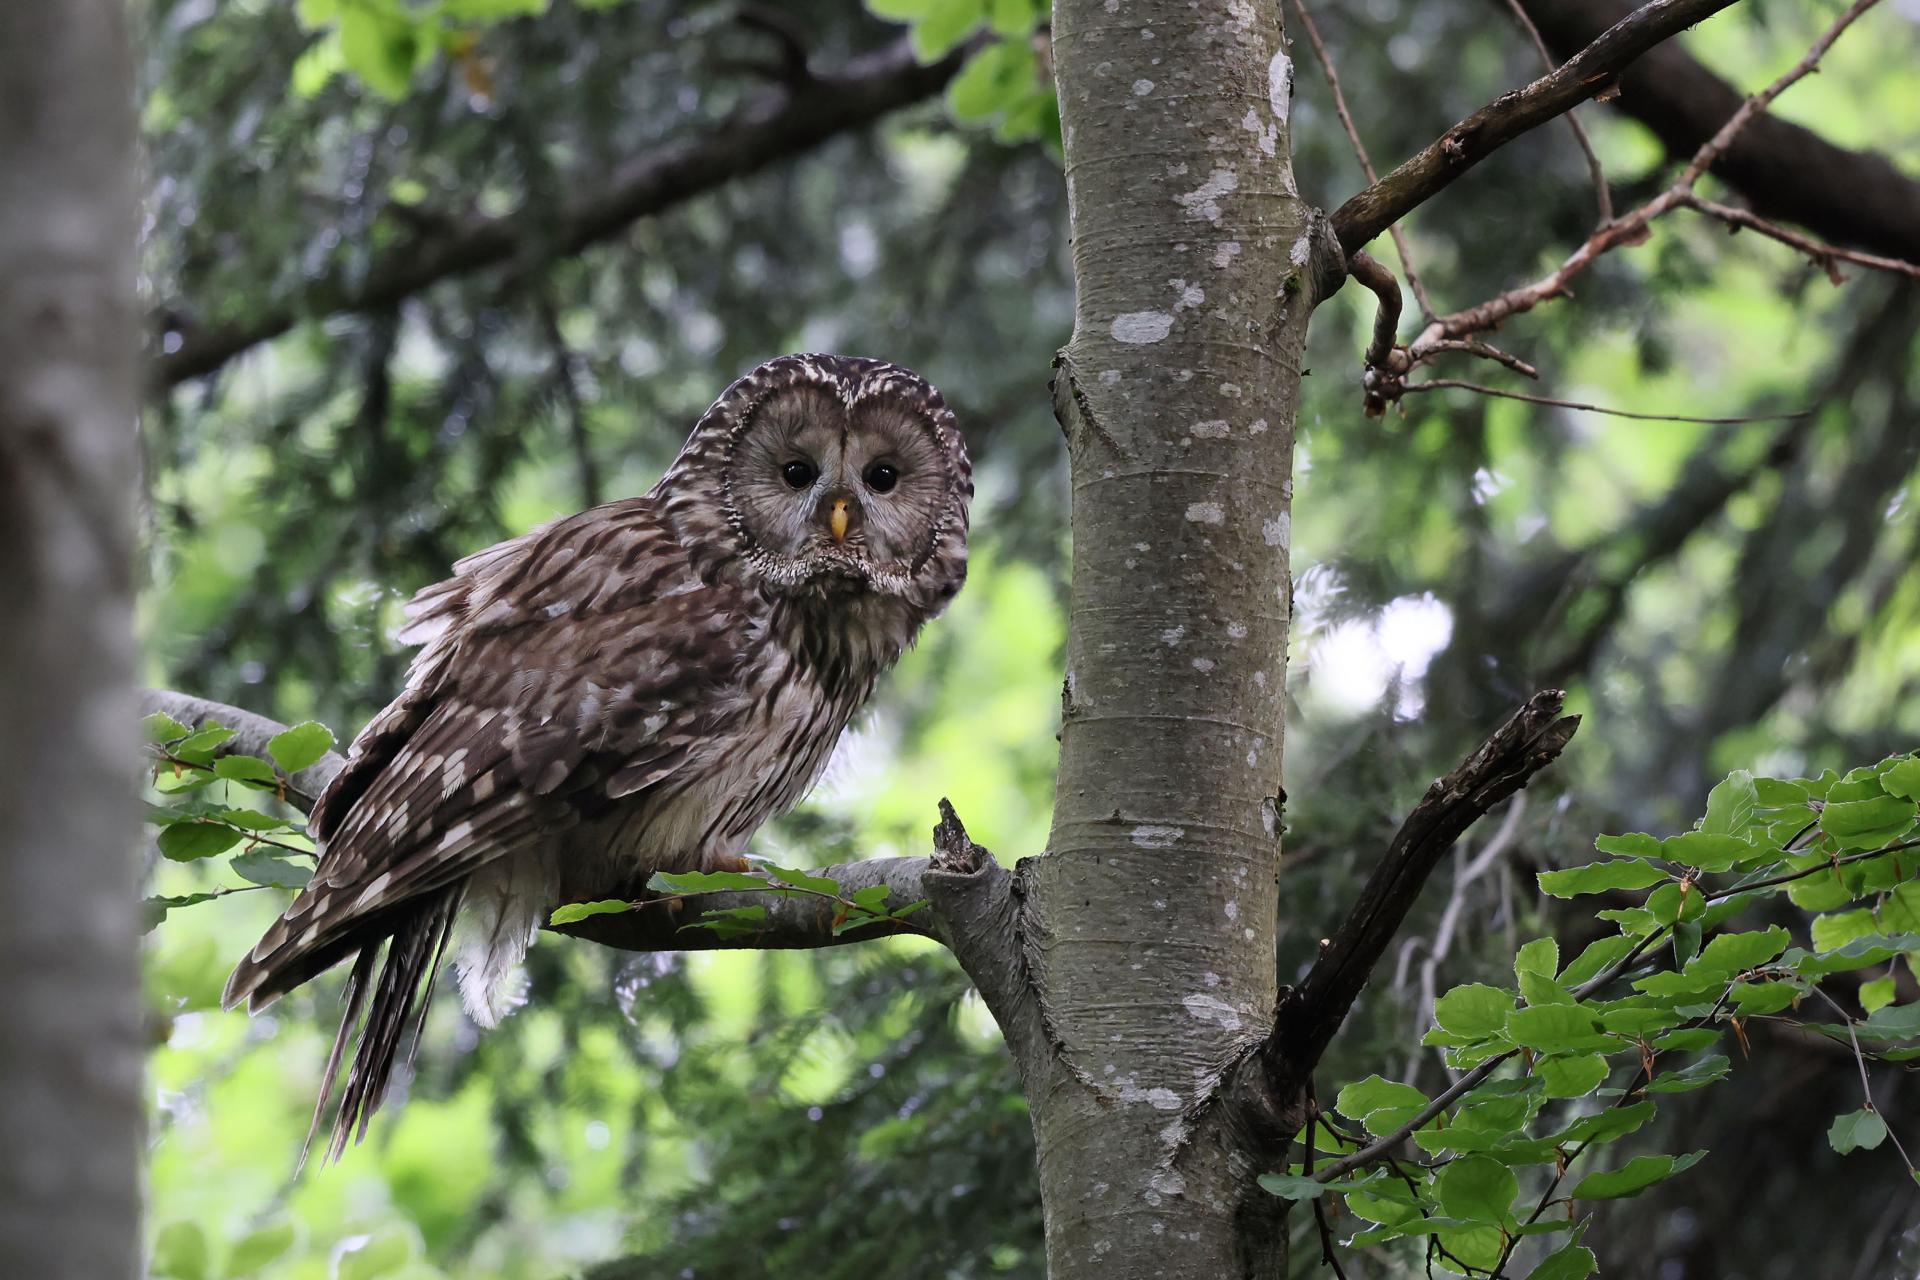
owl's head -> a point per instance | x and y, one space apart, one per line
829 476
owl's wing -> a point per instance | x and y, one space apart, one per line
580 662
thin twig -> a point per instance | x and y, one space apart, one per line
1319 1202
1866 1084
1599 175
1824 255
1425 304
1439 384
1373 274
1486 351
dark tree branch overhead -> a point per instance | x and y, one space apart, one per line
1581 77
784 121
1527 743
1783 170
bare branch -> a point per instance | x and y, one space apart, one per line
1473 139
783 122
1601 194
1824 256
1527 743
1441 384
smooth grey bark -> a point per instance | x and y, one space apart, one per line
70 1115
1148 929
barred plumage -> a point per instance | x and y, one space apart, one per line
633 689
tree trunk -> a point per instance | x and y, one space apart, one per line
1149 928
70 1113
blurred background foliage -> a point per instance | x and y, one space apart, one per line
1713 596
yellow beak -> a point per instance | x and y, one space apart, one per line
838 520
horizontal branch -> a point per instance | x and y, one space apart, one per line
1584 76
781 123
1527 743
250 736
793 922
966 889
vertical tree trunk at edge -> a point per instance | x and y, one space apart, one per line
69 1021
1149 928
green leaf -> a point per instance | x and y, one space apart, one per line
944 24
1573 1262
380 48
1861 953
1687 1040
992 81
1895 1022
1867 824
1861 1130
573 911
191 841
247 769
1669 905
1754 999
1775 794
261 867
1694 1076
300 747
1730 805
1877 994
1289 1186
1731 953
899 10
732 922
1605 1126
873 898
1555 1028
804 880
180 1252
257 1249
162 728
1477 1189
1902 777
1474 1010
155 909
198 747
1637 844
705 882
1595 960
1572 1077
1362 1098
1707 851
1542 955
1633 1177
1601 877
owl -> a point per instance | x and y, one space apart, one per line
633 689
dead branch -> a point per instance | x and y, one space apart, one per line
1527 743
1441 384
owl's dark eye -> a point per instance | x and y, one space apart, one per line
799 474
882 476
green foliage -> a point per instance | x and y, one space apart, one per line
189 828
1006 83
1627 1009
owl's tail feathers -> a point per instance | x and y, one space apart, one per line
398 1002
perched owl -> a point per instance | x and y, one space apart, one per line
633 689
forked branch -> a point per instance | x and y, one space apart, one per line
1527 743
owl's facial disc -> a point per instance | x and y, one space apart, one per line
836 497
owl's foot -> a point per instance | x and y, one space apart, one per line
731 862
